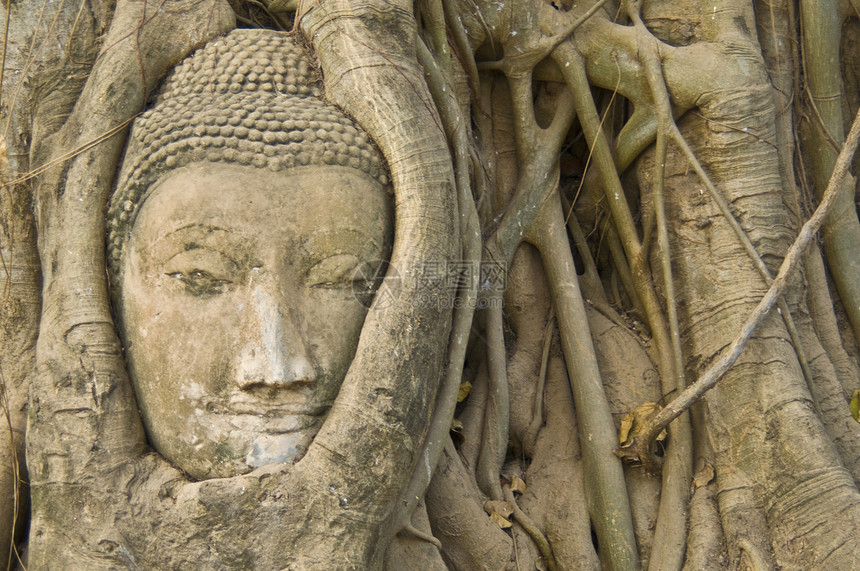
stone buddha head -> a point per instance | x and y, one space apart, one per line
246 209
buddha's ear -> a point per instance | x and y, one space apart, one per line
84 418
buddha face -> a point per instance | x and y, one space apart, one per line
237 308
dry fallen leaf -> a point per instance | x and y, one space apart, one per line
634 423
500 521
465 389
626 426
4 157
518 485
704 476
498 507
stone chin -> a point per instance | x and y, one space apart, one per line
221 445
280 448
242 452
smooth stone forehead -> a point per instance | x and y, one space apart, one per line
214 191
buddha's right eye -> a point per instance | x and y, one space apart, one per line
200 283
202 271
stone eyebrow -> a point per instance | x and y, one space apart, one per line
192 226
193 231
350 241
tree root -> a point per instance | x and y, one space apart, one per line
532 529
604 478
642 449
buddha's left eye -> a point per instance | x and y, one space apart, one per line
333 272
200 283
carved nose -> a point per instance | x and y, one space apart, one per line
273 354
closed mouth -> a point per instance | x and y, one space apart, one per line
275 419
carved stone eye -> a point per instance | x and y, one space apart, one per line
201 283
